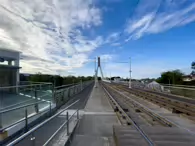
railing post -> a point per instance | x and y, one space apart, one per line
31 87
36 105
1 92
63 93
77 114
50 108
74 90
1 125
53 93
81 85
68 92
26 120
67 117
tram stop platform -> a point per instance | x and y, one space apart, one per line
96 126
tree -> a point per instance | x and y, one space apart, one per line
193 68
56 79
171 77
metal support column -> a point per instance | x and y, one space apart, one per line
1 125
36 98
26 120
77 114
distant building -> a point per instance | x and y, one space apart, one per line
188 78
117 79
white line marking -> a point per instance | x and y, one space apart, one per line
99 113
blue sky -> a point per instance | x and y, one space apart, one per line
63 37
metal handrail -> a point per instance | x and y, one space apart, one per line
6 87
23 119
55 133
16 104
66 85
178 87
23 106
39 126
26 117
35 82
69 85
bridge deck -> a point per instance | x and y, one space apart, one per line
96 126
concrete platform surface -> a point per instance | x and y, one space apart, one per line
96 126
98 101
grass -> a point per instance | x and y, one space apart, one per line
183 92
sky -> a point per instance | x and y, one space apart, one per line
63 37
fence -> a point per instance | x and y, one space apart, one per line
21 102
61 96
31 134
186 91
32 100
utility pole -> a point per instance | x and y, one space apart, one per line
130 72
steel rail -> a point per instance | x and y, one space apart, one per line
150 112
164 99
134 124
191 132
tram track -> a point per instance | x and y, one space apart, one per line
133 112
152 129
176 106
132 108
117 107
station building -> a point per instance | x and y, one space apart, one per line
9 67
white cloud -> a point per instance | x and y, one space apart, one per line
112 37
116 44
48 33
158 16
150 68
106 57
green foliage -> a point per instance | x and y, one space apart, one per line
193 68
112 78
193 65
171 77
147 80
56 79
